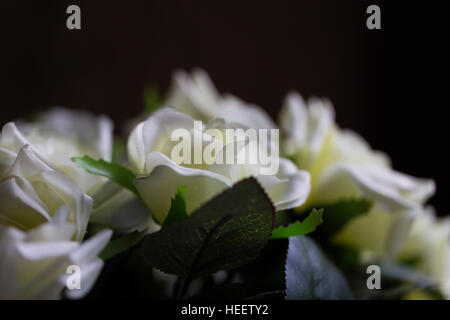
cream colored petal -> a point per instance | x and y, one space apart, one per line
428 243
90 248
154 135
33 265
79 203
11 138
27 164
51 232
351 147
233 162
90 134
321 120
293 121
87 182
160 186
19 204
9 237
46 249
289 188
196 96
397 199
398 232
305 129
369 232
204 84
52 187
233 109
391 190
7 158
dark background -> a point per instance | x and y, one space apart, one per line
390 85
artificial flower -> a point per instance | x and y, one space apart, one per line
34 264
342 166
196 96
149 154
33 190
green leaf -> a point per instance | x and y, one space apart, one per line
151 99
299 228
283 218
225 233
337 215
177 207
310 275
113 171
121 244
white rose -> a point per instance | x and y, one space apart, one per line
342 165
61 134
428 245
196 96
43 218
149 155
32 189
34 264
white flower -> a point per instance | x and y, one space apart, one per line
61 134
196 96
43 218
149 155
342 165
33 264
32 189
428 245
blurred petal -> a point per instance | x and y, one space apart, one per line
84 132
11 138
196 96
289 188
33 265
390 189
294 123
369 231
305 129
51 232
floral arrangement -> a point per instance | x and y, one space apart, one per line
180 208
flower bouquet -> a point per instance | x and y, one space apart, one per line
205 197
